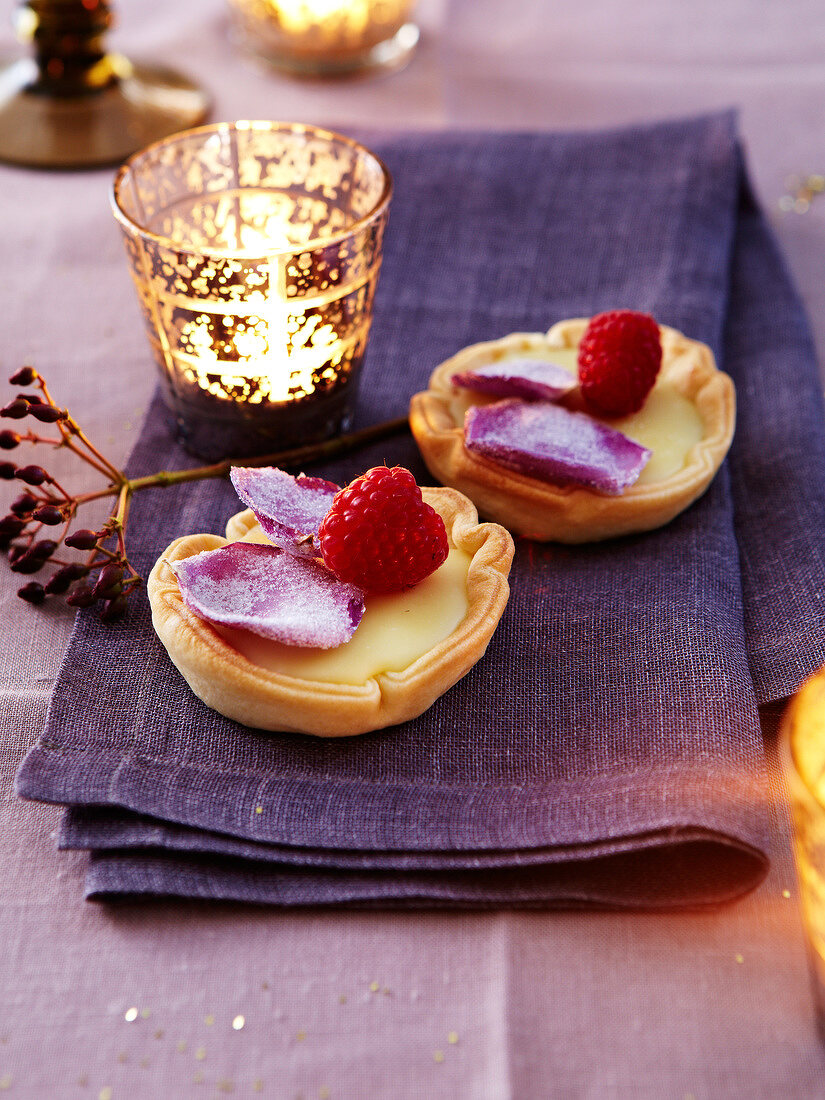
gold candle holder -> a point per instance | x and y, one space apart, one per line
327 37
802 747
73 104
255 249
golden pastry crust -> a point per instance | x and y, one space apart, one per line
230 684
571 513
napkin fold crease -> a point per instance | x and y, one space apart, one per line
607 750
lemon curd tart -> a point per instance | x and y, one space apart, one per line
686 422
408 649
395 630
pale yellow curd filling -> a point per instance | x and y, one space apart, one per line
668 423
395 631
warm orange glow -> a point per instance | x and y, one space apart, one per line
803 749
322 29
255 250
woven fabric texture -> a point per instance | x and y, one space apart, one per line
607 748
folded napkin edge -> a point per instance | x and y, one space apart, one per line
484 816
666 880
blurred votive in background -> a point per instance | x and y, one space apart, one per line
802 746
318 38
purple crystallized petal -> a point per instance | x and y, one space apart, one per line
289 509
551 443
271 593
535 378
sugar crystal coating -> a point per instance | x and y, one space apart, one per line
535 378
289 509
551 443
271 593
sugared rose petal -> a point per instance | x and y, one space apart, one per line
271 593
289 509
534 378
551 443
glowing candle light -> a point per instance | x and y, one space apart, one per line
327 37
802 747
255 250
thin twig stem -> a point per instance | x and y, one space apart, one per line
313 452
69 427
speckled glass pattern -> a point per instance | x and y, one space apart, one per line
255 250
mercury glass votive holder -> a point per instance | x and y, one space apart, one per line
327 37
255 249
802 748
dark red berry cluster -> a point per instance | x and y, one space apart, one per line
105 576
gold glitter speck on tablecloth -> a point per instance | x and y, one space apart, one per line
802 190
105 1093
200 1053
739 957
452 1038
209 1020
438 1057
786 893
130 1015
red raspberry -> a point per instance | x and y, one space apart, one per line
379 533
619 358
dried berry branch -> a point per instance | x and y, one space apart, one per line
106 576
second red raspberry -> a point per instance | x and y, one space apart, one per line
619 358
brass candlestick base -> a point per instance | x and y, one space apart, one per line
73 105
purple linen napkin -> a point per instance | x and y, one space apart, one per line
607 749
